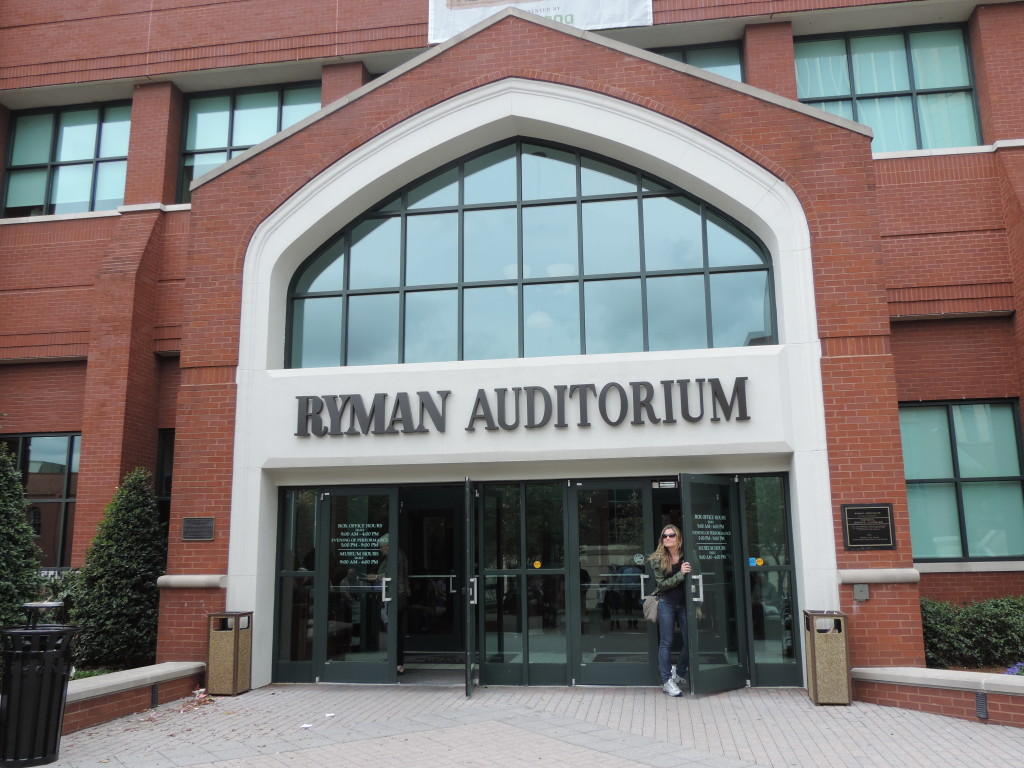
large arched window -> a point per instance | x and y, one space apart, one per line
527 249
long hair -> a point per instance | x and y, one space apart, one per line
660 558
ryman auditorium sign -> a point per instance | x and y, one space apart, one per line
509 408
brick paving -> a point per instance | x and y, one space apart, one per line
356 726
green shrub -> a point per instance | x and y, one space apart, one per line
19 555
116 596
980 635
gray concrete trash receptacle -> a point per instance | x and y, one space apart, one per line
229 663
828 657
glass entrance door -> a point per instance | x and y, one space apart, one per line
717 625
613 525
356 638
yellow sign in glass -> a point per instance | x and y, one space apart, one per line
536 563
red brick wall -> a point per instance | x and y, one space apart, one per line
960 588
154 150
102 709
339 80
1002 709
24 389
998 66
768 60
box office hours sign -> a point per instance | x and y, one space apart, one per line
868 526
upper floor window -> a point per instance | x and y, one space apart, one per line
912 87
721 58
221 125
529 250
67 160
49 470
962 462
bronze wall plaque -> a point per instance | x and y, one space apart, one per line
868 526
197 529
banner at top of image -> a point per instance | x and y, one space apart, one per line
450 17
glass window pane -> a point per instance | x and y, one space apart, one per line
72 186
740 310
503 628
110 179
545 529
47 465
431 326
326 273
765 507
947 120
114 132
940 59
934 521
994 514
926 444
821 69
879 64
373 329
892 120
611 237
490 323
986 440
441 191
840 108
255 118
548 173
76 135
374 258
723 60
299 103
490 245
432 249
672 234
316 332
597 178
614 316
550 241
197 165
551 319
728 246
207 126
26 192
33 135
492 177
675 313
500 506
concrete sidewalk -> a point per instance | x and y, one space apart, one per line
408 726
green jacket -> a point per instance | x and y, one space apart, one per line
663 583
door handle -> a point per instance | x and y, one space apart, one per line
697 587
384 590
472 591
643 585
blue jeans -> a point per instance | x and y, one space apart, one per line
669 616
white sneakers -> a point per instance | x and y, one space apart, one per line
672 687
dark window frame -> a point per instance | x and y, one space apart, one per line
52 163
958 481
184 194
684 50
913 92
386 209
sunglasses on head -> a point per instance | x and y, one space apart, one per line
668 535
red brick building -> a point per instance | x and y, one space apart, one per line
515 296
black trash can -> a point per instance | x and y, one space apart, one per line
36 668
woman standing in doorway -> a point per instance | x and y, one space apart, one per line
670 578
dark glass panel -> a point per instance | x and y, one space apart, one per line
611 237
373 329
432 249
550 242
614 316
551 324
492 177
490 245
